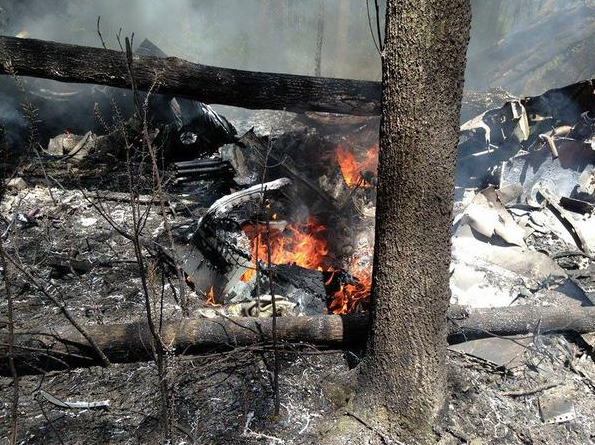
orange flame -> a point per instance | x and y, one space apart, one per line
349 296
211 297
352 166
299 244
304 245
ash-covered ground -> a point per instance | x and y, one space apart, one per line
55 225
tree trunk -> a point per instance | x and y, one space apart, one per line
402 380
177 77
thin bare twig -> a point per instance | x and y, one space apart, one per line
319 40
370 26
13 370
45 175
61 307
275 349
50 422
275 380
99 33
534 390
385 439
162 351
380 39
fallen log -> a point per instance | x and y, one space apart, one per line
180 78
126 343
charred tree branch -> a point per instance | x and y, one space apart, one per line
180 78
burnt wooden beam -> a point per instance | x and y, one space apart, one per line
125 343
180 78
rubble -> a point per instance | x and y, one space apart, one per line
503 353
556 406
71 145
524 228
526 170
487 215
539 200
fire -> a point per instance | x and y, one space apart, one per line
188 281
352 166
211 297
347 298
305 245
299 244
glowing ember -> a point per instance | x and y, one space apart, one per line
352 166
188 281
299 244
211 297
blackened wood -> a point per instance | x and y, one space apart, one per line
467 324
124 343
180 78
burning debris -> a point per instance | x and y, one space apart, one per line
527 197
300 229
303 200
358 172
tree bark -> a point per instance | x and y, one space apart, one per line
123 343
180 78
402 380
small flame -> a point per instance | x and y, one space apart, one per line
211 297
352 166
247 276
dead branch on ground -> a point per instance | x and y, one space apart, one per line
125 343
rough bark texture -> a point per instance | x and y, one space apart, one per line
177 77
403 378
131 342
123 343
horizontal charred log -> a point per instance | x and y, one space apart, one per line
180 78
125 343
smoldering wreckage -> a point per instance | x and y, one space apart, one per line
275 215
